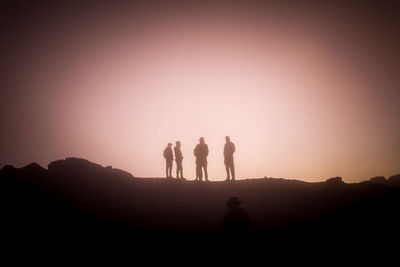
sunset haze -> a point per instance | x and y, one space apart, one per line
303 94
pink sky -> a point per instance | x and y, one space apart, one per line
298 101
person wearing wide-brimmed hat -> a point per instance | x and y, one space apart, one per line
236 219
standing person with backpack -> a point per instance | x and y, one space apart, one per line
178 160
201 153
229 149
169 157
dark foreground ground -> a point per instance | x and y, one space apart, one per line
76 201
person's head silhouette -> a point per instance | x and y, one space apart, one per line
178 144
169 144
201 140
236 219
233 202
227 139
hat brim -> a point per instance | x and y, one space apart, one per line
233 203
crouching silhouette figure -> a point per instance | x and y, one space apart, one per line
236 219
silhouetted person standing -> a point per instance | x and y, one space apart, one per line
169 157
178 159
201 153
236 219
229 149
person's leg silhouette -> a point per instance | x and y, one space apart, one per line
232 167
227 171
205 171
168 169
199 172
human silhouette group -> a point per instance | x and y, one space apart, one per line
201 154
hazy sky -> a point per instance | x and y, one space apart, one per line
304 92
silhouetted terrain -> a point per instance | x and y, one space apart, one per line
75 198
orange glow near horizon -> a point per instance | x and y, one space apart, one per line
295 105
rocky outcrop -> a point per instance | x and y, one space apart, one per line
335 180
394 180
378 180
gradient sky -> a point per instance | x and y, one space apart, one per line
305 92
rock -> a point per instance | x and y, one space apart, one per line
119 172
8 170
335 180
85 172
394 180
378 180
74 165
33 168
